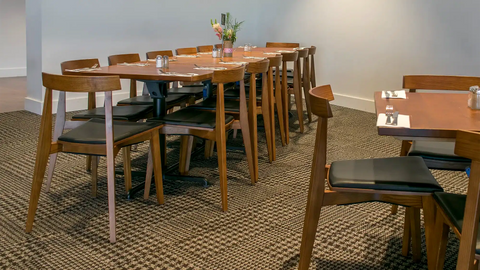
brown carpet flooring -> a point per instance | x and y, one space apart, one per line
261 230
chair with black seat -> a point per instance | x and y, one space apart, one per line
154 54
185 51
398 180
205 48
121 114
100 137
126 58
209 125
436 154
313 79
274 98
234 107
461 212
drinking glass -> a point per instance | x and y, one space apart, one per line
247 47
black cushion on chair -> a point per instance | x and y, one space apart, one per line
123 113
396 174
191 117
93 131
211 103
235 93
454 206
195 90
147 100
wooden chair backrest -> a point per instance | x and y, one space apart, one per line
153 55
83 84
467 145
205 48
289 57
123 58
229 75
82 63
181 51
282 45
320 98
218 46
312 50
258 67
275 61
438 82
303 53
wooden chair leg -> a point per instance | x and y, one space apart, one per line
94 174
51 169
279 104
306 87
88 162
268 126
403 152
429 223
186 146
148 175
157 166
285 104
235 132
209 146
415 234
111 194
406 232
298 97
441 236
127 168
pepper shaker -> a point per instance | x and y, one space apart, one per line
159 61
474 98
166 63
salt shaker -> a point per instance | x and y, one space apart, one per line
166 63
159 61
474 98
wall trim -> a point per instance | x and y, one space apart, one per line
73 104
13 72
358 103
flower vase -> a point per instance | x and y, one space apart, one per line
227 48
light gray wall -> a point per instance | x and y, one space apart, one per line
12 38
367 46
97 29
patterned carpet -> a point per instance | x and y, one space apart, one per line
261 230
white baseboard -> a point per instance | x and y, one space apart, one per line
358 103
13 72
73 104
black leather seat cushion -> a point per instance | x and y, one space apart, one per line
442 162
235 93
196 90
123 113
191 117
396 174
289 73
211 103
147 100
93 131
454 206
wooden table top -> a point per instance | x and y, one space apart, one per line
181 65
433 115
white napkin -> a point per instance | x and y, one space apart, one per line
188 55
300 48
233 63
134 64
401 94
205 53
403 121
178 74
82 69
283 51
270 53
210 68
254 57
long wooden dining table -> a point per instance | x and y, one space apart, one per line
438 117
186 68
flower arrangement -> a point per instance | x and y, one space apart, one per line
230 31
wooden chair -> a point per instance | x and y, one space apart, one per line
274 99
282 45
437 155
126 58
153 55
461 212
121 114
218 46
292 58
205 48
209 125
397 180
95 137
181 51
234 107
